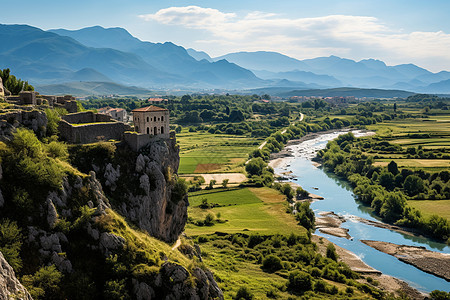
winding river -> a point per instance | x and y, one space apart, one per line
339 199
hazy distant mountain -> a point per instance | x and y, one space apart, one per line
441 87
342 92
199 55
339 71
263 60
303 76
88 74
167 57
90 88
34 54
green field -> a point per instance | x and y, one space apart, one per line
432 207
398 131
435 164
260 210
203 152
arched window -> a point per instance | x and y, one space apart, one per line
162 119
147 119
162 129
148 130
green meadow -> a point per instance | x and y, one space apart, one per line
432 207
245 210
204 152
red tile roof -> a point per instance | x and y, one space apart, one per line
149 108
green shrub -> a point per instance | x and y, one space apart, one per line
243 293
300 281
57 150
116 290
44 284
11 243
439 295
272 263
331 252
179 190
209 219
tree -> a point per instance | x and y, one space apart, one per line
413 185
331 252
386 179
186 99
393 206
236 115
11 243
44 284
300 281
392 167
255 166
212 182
305 215
272 263
14 85
395 106
225 183
243 293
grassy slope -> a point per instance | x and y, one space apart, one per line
259 210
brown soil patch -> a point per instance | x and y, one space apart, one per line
203 168
435 263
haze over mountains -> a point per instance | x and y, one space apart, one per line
114 56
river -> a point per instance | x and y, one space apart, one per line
340 199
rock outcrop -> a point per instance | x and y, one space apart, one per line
24 116
143 188
10 287
158 210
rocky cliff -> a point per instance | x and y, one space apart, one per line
10 287
143 186
86 220
161 209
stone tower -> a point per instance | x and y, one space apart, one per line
152 120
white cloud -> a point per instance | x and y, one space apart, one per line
355 37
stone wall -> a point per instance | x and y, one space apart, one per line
138 140
90 133
86 117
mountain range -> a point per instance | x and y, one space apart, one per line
114 56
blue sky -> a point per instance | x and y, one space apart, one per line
395 31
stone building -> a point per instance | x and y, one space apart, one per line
152 120
89 127
118 114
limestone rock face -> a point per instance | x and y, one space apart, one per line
32 119
10 287
173 279
154 208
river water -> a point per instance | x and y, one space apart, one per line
340 199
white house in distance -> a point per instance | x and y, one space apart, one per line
118 114
151 120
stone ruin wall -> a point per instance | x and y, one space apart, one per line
86 117
90 133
